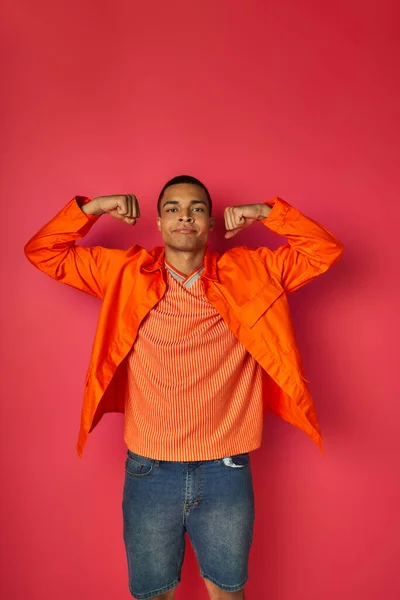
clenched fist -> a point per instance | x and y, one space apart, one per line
239 217
125 208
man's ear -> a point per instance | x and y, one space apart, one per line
212 223
159 223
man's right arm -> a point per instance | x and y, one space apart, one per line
53 248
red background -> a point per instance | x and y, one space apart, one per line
296 99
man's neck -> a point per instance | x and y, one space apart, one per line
184 262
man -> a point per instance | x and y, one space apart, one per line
192 347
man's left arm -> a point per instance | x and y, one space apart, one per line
311 249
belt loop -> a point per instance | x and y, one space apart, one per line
157 463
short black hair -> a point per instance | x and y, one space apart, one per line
184 179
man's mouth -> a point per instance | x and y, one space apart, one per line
184 230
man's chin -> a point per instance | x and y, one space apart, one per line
184 245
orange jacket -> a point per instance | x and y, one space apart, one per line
248 288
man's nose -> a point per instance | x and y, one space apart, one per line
187 218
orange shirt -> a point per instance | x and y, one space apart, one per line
194 392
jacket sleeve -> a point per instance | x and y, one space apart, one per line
311 249
53 250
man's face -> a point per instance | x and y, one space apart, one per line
185 217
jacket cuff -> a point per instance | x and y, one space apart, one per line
277 216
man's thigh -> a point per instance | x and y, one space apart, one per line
220 523
153 527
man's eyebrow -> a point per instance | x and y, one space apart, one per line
191 202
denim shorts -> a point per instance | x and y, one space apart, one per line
212 501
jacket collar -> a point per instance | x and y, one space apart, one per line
157 256
155 260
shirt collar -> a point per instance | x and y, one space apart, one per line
157 257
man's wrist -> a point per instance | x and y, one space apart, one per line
91 207
264 211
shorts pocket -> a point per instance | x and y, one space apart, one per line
138 466
237 461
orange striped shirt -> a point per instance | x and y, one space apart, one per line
194 392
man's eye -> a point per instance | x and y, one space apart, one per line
171 209
199 208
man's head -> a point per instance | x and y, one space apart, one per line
184 208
